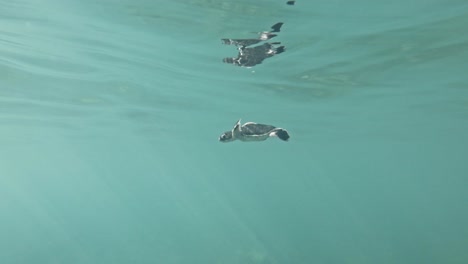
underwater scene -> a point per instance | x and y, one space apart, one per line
233 132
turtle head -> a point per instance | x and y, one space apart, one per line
226 137
234 61
231 135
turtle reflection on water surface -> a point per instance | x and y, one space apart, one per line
249 55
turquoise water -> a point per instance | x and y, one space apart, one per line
110 113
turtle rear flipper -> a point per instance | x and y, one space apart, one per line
281 134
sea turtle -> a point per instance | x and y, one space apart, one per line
251 131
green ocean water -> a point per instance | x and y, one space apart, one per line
110 113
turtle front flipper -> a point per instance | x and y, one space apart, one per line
277 27
237 130
237 126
